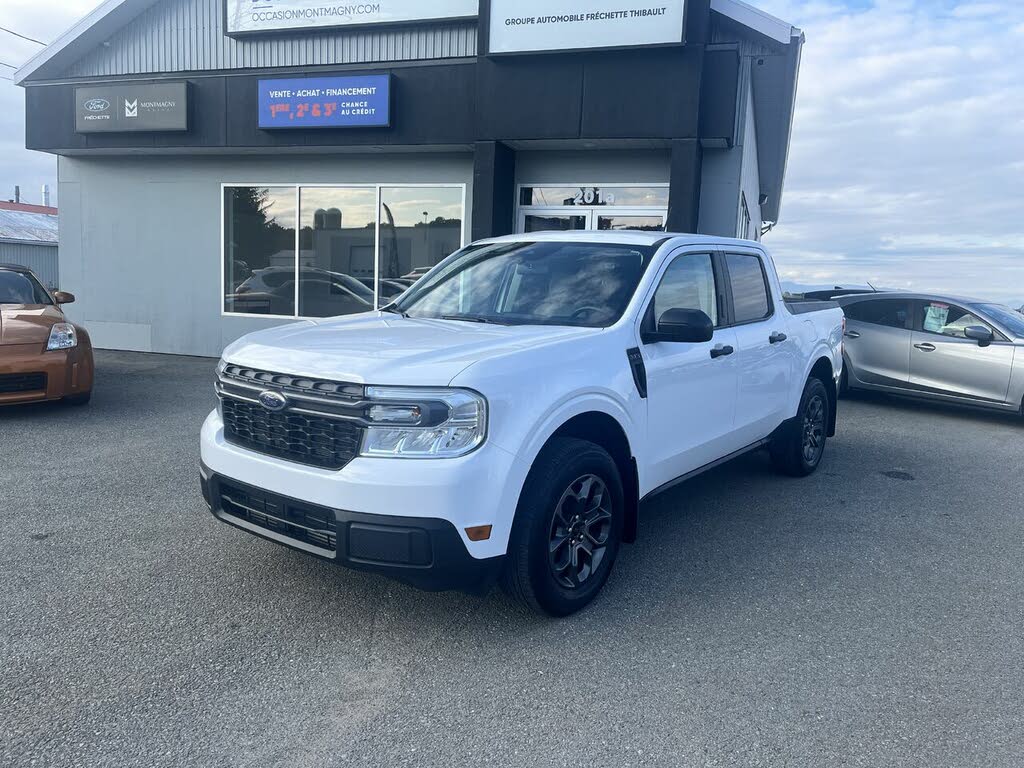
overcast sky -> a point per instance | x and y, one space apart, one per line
907 162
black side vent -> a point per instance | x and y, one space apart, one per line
636 365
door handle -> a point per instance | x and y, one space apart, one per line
777 338
852 335
721 351
926 347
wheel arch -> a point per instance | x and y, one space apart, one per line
601 427
825 373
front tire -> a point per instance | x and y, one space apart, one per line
567 530
798 449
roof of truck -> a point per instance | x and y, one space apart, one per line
630 237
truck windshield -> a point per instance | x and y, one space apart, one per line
531 283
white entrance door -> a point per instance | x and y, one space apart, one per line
595 207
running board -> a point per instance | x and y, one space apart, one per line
707 468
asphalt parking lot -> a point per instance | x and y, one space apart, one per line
871 615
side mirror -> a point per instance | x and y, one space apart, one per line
687 326
980 334
63 297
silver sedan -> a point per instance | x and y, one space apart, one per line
937 347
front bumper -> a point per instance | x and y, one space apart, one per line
65 372
427 553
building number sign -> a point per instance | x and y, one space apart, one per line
593 196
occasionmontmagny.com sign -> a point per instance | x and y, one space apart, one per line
247 16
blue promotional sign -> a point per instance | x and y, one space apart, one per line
362 101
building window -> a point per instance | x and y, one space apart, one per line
259 250
324 251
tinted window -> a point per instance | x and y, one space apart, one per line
419 228
749 289
20 288
531 284
891 313
688 283
259 250
947 319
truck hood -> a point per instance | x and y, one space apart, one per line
27 323
384 348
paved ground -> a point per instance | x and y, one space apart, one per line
871 615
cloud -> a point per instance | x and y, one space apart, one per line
44 20
907 162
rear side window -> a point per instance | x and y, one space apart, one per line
891 313
749 288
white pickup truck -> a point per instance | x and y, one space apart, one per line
504 418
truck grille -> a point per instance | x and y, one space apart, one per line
298 521
22 382
318 441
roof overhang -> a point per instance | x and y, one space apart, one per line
774 80
94 29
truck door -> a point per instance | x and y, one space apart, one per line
765 356
691 387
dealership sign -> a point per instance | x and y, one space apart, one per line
362 101
132 108
245 16
519 26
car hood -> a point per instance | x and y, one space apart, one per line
383 348
27 323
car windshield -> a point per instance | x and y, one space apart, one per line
21 288
1011 320
531 283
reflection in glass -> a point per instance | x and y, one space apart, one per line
635 197
535 223
336 251
688 283
419 226
634 223
259 250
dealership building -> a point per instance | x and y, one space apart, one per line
227 165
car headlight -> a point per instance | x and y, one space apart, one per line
414 423
62 336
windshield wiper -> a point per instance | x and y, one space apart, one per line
471 319
392 308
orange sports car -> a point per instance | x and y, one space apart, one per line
42 355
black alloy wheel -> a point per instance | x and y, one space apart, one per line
581 527
814 429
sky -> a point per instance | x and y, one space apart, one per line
907 161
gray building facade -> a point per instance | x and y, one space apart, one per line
320 170
29 238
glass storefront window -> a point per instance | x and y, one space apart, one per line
259 250
336 270
341 267
419 226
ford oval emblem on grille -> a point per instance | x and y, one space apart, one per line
273 401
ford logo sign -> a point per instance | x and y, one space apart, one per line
97 105
273 401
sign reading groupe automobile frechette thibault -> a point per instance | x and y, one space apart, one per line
130 108
362 101
245 16
519 26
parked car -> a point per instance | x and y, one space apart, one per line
935 347
42 355
321 293
505 417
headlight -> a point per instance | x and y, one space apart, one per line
412 423
62 336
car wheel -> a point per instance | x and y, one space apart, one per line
567 530
82 399
798 450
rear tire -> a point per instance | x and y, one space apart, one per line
82 399
567 530
798 449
